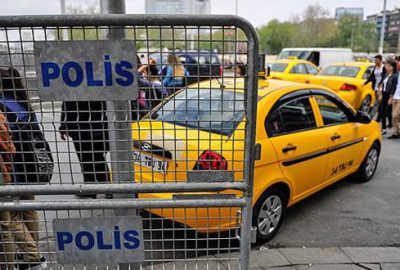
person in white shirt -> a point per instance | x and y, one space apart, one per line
395 101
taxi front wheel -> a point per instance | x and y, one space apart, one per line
268 214
369 165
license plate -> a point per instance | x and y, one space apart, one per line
151 162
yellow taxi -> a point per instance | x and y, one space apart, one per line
309 138
293 70
347 80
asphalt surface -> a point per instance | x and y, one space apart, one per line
349 214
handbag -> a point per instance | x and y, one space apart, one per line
36 150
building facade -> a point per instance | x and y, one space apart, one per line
178 7
391 28
354 11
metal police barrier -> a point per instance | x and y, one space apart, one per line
134 141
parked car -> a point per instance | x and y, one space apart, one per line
321 57
309 139
292 70
202 65
347 80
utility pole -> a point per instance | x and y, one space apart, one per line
383 27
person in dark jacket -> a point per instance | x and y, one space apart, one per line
376 78
377 74
85 122
24 224
387 87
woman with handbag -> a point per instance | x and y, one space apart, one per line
7 150
386 89
22 121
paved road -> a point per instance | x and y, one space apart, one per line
349 214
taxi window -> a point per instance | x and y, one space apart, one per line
342 71
311 69
212 110
331 113
278 67
299 69
295 115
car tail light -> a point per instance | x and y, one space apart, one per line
275 78
210 160
348 87
221 71
307 81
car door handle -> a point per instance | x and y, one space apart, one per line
335 137
289 148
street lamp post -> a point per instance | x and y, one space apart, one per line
383 26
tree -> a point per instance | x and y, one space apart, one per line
316 28
276 35
355 34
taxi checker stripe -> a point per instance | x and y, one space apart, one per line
320 153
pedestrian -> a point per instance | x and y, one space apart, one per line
386 89
397 59
85 122
7 150
176 74
19 114
376 78
240 69
395 102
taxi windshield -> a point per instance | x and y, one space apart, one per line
342 71
212 110
278 67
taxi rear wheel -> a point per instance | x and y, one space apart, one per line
268 214
366 104
369 164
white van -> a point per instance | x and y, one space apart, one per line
321 57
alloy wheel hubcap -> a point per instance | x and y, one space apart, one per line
270 215
372 161
366 104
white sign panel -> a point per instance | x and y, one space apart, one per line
99 240
86 70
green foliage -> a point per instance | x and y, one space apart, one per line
315 28
276 35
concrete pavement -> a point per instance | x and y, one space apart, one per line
347 258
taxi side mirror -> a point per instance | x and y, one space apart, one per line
362 117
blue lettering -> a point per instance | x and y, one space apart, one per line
100 240
63 238
117 237
108 70
78 71
90 240
90 75
120 69
132 242
47 75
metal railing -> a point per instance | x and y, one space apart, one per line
180 155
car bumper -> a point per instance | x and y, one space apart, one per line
203 220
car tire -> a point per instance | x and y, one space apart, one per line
368 166
269 210
366 104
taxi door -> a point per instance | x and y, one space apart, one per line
343 137
298 73
299 145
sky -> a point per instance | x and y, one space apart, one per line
258 12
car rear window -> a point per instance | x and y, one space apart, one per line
342 71
213 110
278 67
